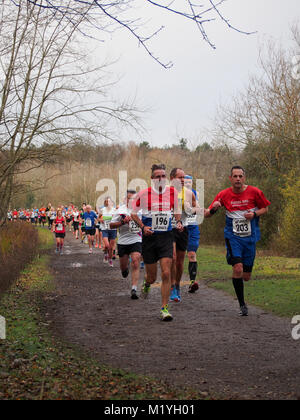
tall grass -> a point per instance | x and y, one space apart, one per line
18 246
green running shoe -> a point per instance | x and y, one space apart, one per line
165 314
145 290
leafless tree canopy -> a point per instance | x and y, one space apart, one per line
111 15
49 94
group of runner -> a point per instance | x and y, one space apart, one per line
160 225
43 216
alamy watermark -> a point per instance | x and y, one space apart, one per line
116 191
296 329
2 328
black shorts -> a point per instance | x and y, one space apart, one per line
76 225
157 246
181 239
90 232
129 249
60 235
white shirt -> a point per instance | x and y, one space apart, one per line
128 232
107 217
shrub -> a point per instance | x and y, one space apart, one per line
18 246
289 234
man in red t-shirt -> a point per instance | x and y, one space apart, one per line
157 205
244 206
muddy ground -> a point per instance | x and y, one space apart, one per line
207 347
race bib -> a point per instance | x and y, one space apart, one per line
241 227
160 222
195 219
133 227
107 224
174 223
60 227
88 223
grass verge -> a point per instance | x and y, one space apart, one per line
36 366
275 283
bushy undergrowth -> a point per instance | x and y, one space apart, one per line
18 246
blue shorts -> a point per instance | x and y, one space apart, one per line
109 234
241 250
194 238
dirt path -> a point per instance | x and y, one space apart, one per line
207 347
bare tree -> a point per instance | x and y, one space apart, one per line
111 15
49 95
266 116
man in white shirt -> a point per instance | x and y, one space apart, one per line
129 243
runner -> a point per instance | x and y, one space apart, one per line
9 216
59 227
109 235
48 213
76 218
157 204
193 241
52 216
36 216
98 236
244 205
69 218
129 242
43 216
187 201
81 224
90 219
15 215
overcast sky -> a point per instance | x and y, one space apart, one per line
182 101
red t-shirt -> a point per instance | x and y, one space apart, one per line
152 203
250 199
60 225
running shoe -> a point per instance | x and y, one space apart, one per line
61 252
193 287
145 290
105 259
134 295
165 314
111 263
174 297
178 294
90 251
57 251
244 311
125 273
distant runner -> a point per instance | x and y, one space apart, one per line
59 227
109 235
89 218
